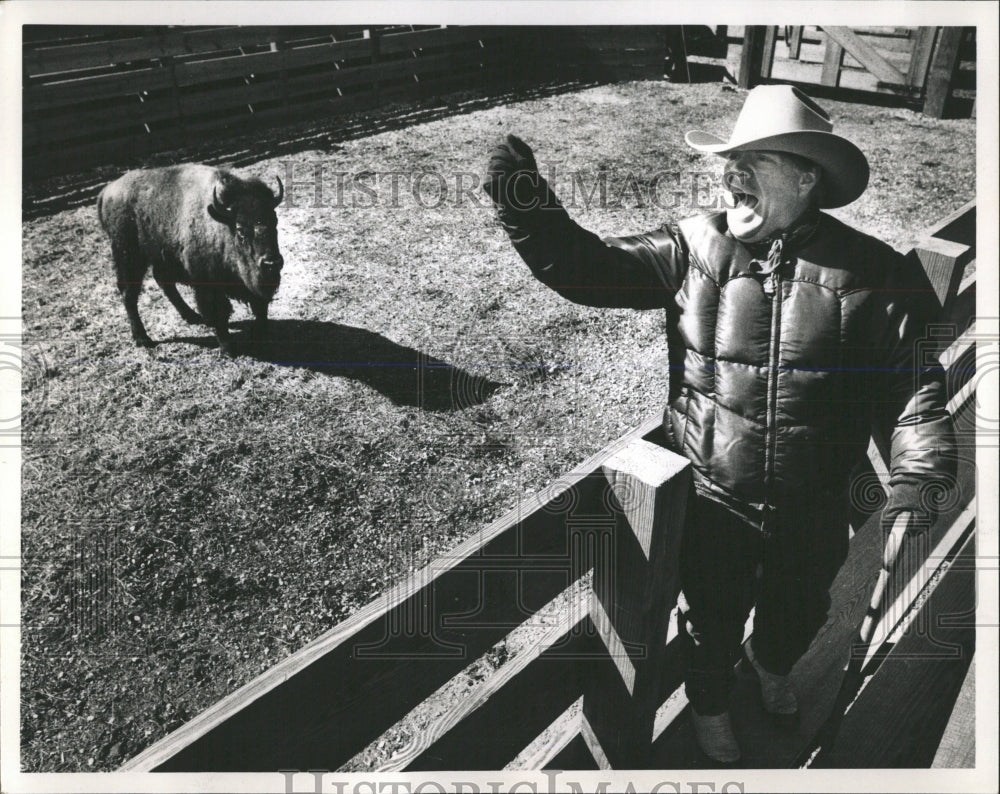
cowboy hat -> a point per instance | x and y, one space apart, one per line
780 118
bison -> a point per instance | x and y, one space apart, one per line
200 226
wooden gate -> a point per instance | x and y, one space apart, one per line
933 67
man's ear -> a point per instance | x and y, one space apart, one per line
808 180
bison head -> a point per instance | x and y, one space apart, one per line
247 209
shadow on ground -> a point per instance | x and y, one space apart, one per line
50 195
402 374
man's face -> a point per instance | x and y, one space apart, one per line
767 193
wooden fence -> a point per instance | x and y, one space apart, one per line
114 95
601 688
95 96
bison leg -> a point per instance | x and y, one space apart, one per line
259 330
130 269
216 308
226 343
170 290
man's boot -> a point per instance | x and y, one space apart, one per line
715 736
775 690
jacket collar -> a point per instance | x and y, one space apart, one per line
771 252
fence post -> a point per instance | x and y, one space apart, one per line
942 72
767 54
753 55
373 34
793 38
175 99
278 47
635 587
677 67
944 262
833 60
920 57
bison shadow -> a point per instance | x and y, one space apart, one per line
404 375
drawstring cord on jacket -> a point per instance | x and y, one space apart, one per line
776 246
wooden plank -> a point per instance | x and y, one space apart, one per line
890 47
957 749
73 92
960 348
959 362
920 58
898 60
635 585
944 263
290 717
899 718
885 31
459 70
961 310
160 44
813 52
942 71
565 744
767 56
958 226
833 59
919 572
868 56
795 42
302 109
217 102
118 121
488 728
552 741
125 149
53 35
438 37
575 755
195 72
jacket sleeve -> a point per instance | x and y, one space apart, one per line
640 272
913 408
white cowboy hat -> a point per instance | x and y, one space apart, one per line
780 118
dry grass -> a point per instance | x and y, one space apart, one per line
189 520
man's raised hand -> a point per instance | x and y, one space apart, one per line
512 179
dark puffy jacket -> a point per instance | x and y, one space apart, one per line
783 378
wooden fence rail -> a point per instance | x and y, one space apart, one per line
601 688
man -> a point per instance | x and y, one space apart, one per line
791 336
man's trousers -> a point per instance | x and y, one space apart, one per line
727 568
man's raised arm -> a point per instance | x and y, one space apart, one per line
639 272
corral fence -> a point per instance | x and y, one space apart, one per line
111 95
602 687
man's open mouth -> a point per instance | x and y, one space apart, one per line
741 199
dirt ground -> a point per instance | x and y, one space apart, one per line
189 520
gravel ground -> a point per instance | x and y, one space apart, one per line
189 520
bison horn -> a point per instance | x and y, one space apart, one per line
217 209
281 191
